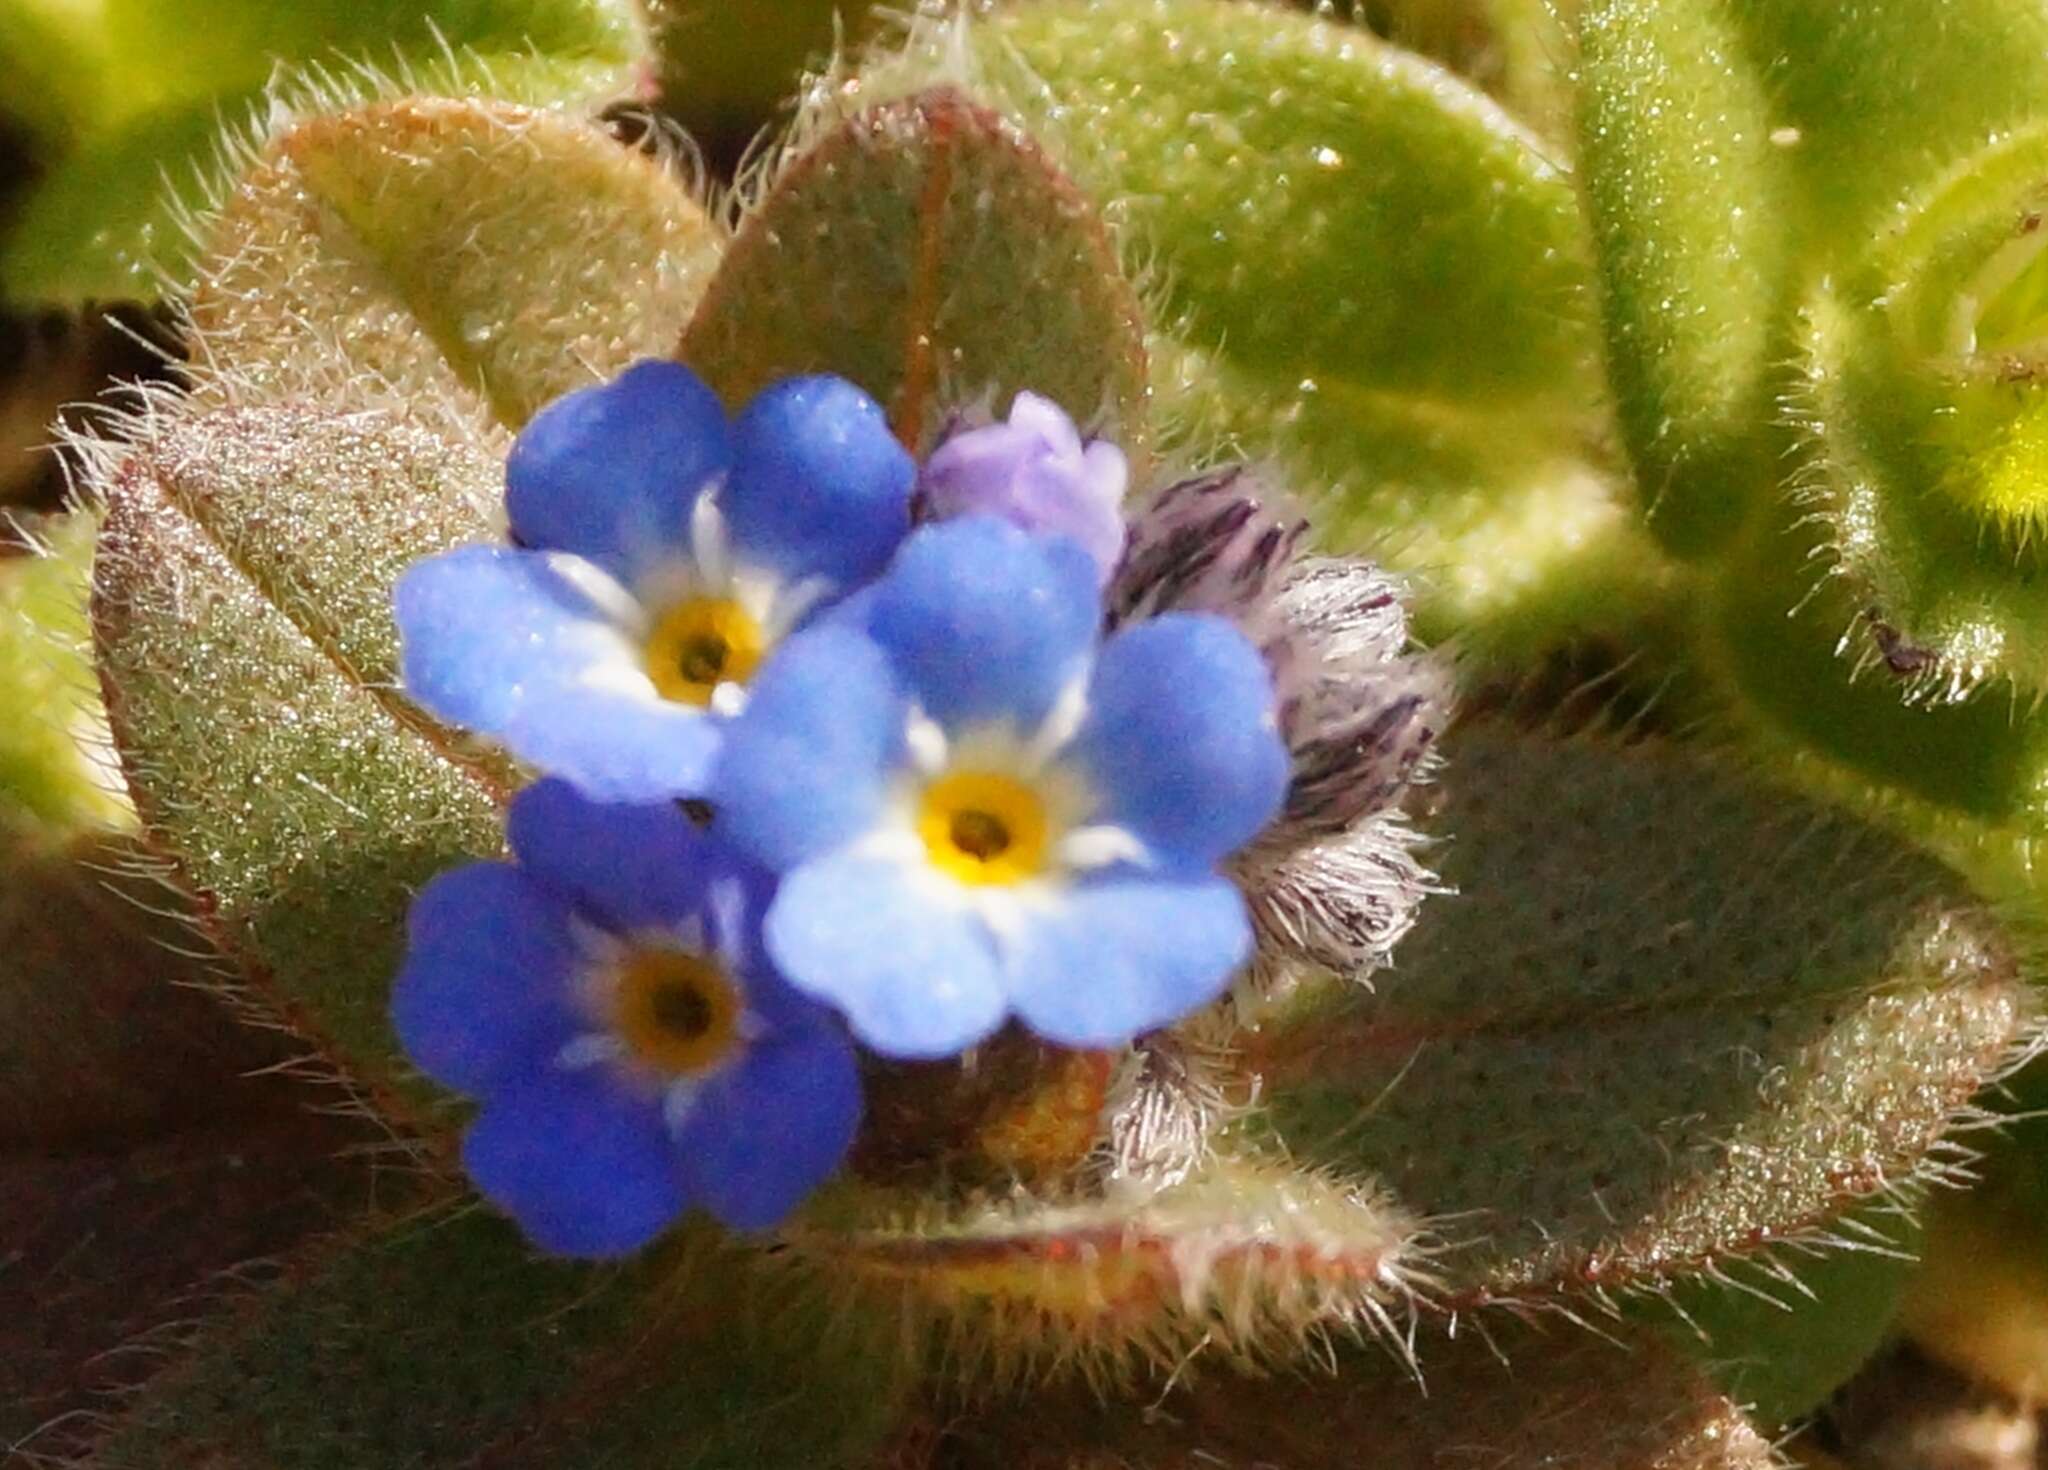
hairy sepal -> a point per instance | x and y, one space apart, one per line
1234 1259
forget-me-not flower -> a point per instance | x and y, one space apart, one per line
607 999
660 554
1034 471
977 811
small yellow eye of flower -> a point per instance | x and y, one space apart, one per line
678 1013
984 828
700 643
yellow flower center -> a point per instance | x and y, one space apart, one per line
678 1012
700 643
982 827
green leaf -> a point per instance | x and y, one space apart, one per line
1690 218
105 1030
145 87
49 762
453 265
1979 1303
1667 1018
1517 1399
464 262
1883 94
1780 1344
1366 266
1922 392
108 1248
929 252
1952 772
441 1341
727 68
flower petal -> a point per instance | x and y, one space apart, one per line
819 486
802 767
1180 741
612 472
1122 955
502 642
765 1134
483 991
618 748
914 973
633 865
486 627
1035 473
585 1166
986 622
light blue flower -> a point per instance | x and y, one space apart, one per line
977 812
660 554
1035 472
607 999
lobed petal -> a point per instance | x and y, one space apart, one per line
764 1134
819 486
612 472
502 642
1125 954
803 766
986 622
914 974
585 1166
631 865
1180 741
482 994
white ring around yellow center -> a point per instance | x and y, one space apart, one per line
984 827
701 643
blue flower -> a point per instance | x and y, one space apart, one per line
1034 472
607 999
979 813
661 554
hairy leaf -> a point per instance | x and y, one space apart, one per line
454 265
931 253
1668 1017
108 1254
1544 1401
1923 399
141 90
1370 269
1682 186
1881 94
462 262
104 1031
1780 1344
1776 643
440 1341
50 742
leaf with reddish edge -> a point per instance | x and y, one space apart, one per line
440 1340
1668 1018
1541 1401
930 252
386 295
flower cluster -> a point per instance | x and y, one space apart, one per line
837 744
